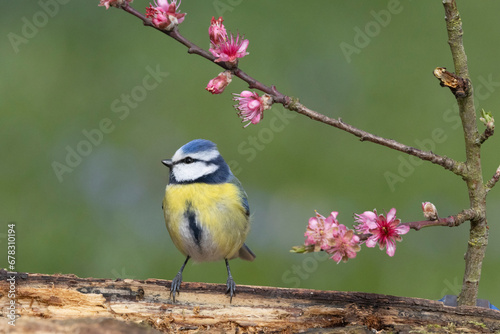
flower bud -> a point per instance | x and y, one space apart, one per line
217 32
487 120
220 82
165 15
430 211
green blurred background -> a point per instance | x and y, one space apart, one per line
65 66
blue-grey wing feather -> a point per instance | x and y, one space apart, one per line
245 253
243 194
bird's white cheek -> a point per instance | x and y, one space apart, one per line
190 172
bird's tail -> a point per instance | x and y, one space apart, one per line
246 254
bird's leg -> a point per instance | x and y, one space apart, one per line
176 282
231 286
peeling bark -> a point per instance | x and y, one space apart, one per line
64 303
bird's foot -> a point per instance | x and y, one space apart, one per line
231 287
176 284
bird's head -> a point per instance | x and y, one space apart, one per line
198 161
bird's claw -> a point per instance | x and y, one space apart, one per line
231 288
176 284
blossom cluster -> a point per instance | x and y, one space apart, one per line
327 234
229 49
225 47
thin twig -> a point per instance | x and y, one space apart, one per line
293 104
450 221
488 132
448 163
491 183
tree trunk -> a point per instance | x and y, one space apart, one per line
69 304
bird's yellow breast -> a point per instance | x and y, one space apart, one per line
218 212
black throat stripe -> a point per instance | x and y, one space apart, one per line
193 227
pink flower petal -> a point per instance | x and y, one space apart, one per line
391 214
337 257
371 241
243 46
256 119
254 105
246 93
391 248
367 216
402 229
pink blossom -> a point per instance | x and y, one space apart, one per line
344 244
217 32
367 221
230 50
320 230
251 106
113 3
165 15
219 83
385 230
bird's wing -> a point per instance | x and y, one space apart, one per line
245 253
243 194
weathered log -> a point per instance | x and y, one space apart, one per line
64 303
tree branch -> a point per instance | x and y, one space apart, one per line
448 163
491 183
478 236
455 41
294 105
450 221
488 132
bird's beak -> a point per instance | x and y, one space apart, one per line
167 162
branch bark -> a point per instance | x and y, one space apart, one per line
491 183
447 163
450 221
63 303
478 236
488 132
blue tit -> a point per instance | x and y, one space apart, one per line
206 209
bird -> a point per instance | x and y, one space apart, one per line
206 209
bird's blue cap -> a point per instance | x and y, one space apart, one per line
198 145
